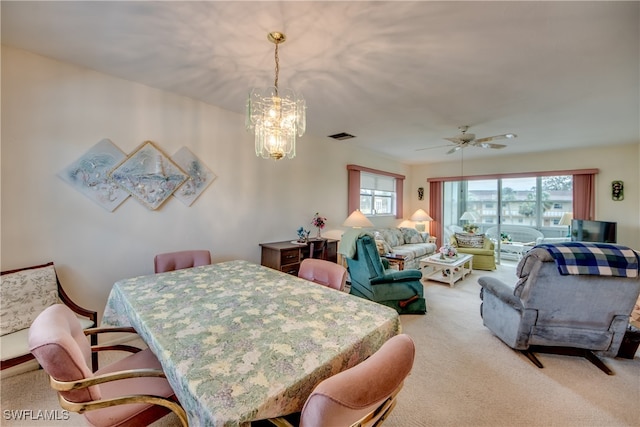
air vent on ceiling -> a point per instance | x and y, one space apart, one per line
342 136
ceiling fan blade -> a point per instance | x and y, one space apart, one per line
454 149
488 145
431 148
455 140
493 138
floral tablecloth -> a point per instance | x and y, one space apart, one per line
241 342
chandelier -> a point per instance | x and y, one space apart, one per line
277 116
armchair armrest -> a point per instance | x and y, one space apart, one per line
116 347
81 407
501 291
398 276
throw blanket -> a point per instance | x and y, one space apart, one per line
594 258
348 241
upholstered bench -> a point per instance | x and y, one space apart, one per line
25 293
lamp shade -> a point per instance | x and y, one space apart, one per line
467 216
357 220
566 218
420 215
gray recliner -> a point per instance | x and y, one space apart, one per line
562 314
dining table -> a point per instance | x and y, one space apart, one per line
241 342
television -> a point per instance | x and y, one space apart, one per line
583 230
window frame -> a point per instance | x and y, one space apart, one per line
354 179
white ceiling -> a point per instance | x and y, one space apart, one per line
400 76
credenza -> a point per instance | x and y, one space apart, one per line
286 256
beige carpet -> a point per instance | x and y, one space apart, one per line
462 376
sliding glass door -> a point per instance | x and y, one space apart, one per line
535 202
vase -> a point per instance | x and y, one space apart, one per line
318 236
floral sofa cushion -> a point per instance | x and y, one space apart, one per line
24 295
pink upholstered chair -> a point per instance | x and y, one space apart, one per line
363 395
179 260
57 341
323 272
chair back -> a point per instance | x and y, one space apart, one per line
323 272
366 263
575 310
178 260
57 341
347 397
318 249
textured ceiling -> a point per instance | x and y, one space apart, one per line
400 76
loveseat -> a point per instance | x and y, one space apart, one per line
25 293
408 242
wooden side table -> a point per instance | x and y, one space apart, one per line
286 256
396 260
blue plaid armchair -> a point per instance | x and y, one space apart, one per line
581 312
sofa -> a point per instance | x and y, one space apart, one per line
408 242
478 245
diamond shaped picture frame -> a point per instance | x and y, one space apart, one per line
200 176
149 175
90 175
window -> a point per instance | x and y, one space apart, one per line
375 192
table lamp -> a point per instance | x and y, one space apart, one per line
420 216
566 219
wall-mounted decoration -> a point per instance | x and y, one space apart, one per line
149 175
420 193
199 176
90 175
617 190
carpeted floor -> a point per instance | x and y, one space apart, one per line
462 376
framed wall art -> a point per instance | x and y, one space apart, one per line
90 175
200 176
617 190
149 175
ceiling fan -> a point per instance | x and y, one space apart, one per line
469 140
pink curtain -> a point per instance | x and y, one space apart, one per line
435 209
354 191
584 196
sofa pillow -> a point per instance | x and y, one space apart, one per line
392 236
411 235
24 295
470 240
383 247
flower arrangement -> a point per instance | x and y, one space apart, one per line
303 235
471 228
448 251
318 221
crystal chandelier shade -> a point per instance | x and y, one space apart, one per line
277 116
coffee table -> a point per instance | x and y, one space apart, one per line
447 270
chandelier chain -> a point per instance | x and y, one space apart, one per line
275 82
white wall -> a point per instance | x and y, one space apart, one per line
621 162
53 112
